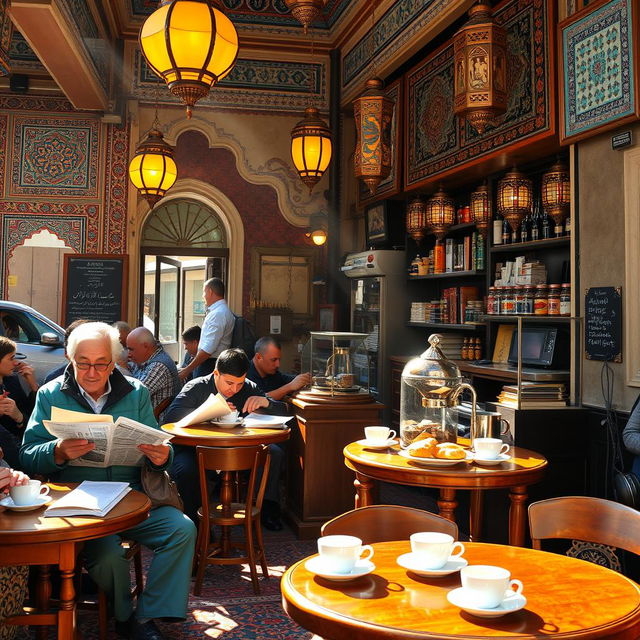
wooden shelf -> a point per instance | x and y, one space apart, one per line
448 274
534 244
467 326
497 318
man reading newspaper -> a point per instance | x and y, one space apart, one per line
93 385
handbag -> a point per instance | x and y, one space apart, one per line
160 488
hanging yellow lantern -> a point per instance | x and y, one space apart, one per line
153 170
441 213
191 44
515 195
556 192
373 112
311 147
480 205
479 52
306 11
416 220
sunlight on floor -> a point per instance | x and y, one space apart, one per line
220 623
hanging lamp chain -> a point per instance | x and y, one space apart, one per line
156 121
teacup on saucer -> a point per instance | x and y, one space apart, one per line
376 444
411 562
318 567
490 462
512 602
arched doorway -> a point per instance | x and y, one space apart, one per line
183 243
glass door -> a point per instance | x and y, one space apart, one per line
365 318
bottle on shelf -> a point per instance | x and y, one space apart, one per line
541 301
553 300
506 232
534 228
477 350
558 229
413 269
514 236
565 300
567 226
465 349
439 257
524 229
546 227
497 230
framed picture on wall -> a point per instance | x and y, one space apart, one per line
598 74
376 223
327 317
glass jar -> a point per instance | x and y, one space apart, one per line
553 300
529 295
565 300
541 301
491 300
508 302
520 299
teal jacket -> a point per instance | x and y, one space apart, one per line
128 398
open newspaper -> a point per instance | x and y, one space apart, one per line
116 443
89 498
215 406
263 421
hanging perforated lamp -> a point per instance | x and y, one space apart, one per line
441 213
373 112
556 192
153 170
480 205
311 147
416 219
191 45
306 11
515 194
317 229
479 52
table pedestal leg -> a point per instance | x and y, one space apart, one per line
517 515
43 594
447 503
364 488
226 491
475 515
67 613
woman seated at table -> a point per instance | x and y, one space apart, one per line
92 384
15 405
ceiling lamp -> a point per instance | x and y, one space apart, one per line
441 213
373 112
311 147
191 45
481 209
480 61
556 192
317 229
514 197
417 218
153 169
306 11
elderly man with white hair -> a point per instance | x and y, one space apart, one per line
92 384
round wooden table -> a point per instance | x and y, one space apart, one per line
566 599
28 538
524 468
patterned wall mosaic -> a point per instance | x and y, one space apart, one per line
6 29
436 140
22 55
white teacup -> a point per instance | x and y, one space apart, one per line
26 494
379 434
489 448
340 553
433 549
229 417
488 586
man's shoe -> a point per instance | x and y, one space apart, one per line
147 631
125 628
272 522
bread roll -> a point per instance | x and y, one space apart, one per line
424 448
449 451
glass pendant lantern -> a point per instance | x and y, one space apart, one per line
440 213
311 147
481 209
416 220
556 192
515 194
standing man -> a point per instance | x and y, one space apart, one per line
153 366
264 370
92 384
217 330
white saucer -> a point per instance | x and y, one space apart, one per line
435 462
41 501
369 444
410 562
512 602
226 425
490 462
316 566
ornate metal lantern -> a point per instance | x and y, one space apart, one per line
417 218
514 197
480 60
373 112
306 11
191 45
311 147
441 213
556 192
481 209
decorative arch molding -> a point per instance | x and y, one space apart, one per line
230 217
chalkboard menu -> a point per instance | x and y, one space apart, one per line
95 288
603 324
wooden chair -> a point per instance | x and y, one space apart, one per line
231 514
385 522
586 519
159 409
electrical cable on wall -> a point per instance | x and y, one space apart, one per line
613 455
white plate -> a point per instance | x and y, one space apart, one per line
435 462
490 462
512 602
316 566
410 562
226 425
41 501
368 444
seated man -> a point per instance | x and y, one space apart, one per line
190 341
229 379
265 370
153 366
91 384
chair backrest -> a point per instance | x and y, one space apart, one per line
384 522
158 410
587 519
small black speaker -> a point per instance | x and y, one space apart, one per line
19 83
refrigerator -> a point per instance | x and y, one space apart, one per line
377 309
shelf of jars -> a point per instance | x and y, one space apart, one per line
534 318
448 274
531 244
467 326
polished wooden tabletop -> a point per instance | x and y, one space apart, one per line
208 434
566 598
31 527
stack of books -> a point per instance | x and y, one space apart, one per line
420 311
534 395
451 345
